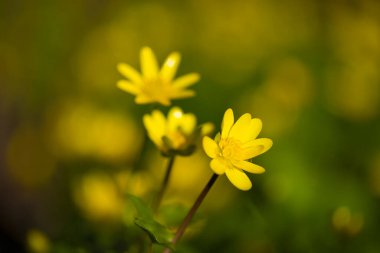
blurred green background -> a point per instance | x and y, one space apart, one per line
72 144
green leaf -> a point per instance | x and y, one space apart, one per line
144 219
157 232
143 210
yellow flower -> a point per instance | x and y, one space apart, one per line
176 134
235 145
155 85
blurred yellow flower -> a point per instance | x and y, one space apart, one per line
83 129
176 134
234 145
344 221
155 85
37 241
98 197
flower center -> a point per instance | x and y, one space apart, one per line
230 147
155 88
177 139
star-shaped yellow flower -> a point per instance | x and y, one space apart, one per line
235 145
154 84
176 134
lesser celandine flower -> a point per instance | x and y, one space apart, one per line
229 152
154 84
176 134
235 145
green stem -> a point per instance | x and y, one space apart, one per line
164 184
190 214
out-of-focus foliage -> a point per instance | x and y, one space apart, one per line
72 144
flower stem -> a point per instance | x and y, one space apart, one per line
164 184
190 214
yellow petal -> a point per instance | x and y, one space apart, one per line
186 80
239 179
228 121
163 100
170 66
207 128
175 115
143 99
256 147
154 133
249 167
217 137
188 123
128 87
240 128
249 152
159 121
129 72
218 165
253 130
266 144
149 66
210 147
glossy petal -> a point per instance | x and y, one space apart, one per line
186 80
217 137
170 66
207 128
253 130
149 66
239 179
188 123
218 165
128 87
154 134
228 121
210 147
262 145
241 127
143 99
175 116
159 121
130 73
250 152
249 167
164 100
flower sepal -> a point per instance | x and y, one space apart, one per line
171 150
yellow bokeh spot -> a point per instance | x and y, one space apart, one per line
85 130
138 183
27 157
287 90
353 87
98 197
237 35
37 242
345 222
354 91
